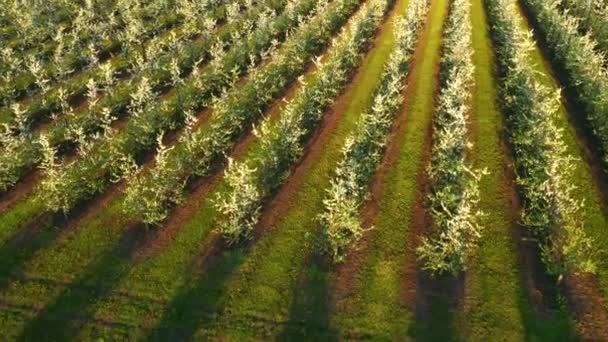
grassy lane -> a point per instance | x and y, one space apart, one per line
99 257
19 215
196 295
260 283
76 273
494 288
30 212
376 306
29 208
168 273
594 212
496 299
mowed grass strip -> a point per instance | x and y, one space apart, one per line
376 307
40 235
96 261
493 284
163 275
139 290
595 210
30 208
260 286
496 302
199 296
175 271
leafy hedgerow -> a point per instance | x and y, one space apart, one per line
250 182
455 185
362 152
115 156
97 29
593 16
158 65
145 59
149 199
543 166
105 92
70 48
583 66
73 128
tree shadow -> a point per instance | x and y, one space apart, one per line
437 301
309 310
202 297
22 246
40 232
543 303
63 319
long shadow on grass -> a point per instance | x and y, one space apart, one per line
437 301
21 247
309 310
543 303
62 319
201 297
40 232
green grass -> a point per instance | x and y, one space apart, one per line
376 308
19 215
594 213
493 283
277 287
276 282
74 270
172 272
496 300
98 278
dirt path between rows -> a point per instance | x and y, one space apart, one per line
344 279
282 199
200 189
583 291
23 188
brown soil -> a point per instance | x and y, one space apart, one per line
210 251
589 146
162 236
283 198
19 191
92 208
346 275
95 206
200 188
170 139
419 287
586 301
78 103
541 289
584 294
